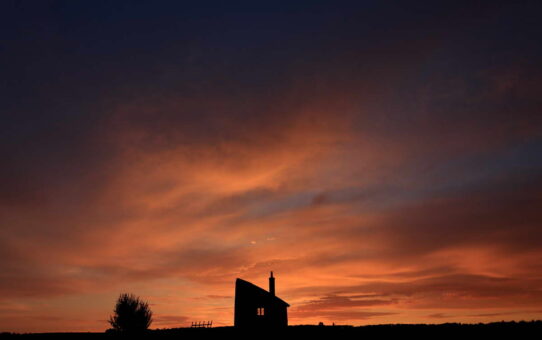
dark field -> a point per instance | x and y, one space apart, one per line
506 330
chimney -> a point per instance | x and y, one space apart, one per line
272 284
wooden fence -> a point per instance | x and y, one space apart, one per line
202 324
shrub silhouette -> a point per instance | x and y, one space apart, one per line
131 315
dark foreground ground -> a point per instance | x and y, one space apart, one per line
506 330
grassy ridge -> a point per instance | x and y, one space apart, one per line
513 330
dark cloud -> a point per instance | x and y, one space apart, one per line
342 315
448 291
481 216
341 302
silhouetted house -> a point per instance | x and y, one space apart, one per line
257 308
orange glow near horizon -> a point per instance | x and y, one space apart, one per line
176 227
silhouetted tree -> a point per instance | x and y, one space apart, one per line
131 314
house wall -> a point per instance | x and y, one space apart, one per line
247 301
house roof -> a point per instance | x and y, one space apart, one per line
250 286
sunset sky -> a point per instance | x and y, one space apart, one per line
383 158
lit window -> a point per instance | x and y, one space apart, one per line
260 311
